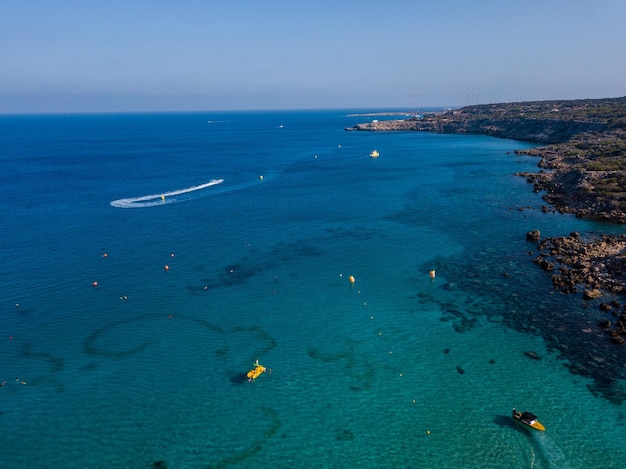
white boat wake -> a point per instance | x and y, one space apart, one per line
160 199
552 452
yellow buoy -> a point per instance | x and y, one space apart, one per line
162 197
261 177
351 278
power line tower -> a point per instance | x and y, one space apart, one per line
472 97
414 102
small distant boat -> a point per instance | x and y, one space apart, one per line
374 154
257 371
529 419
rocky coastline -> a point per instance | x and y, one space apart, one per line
582 171
582 163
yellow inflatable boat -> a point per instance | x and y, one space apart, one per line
257 371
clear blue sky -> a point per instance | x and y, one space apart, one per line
74 56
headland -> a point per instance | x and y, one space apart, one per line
583 169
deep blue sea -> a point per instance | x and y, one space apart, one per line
149 259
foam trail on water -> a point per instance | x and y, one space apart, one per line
552 452
160 199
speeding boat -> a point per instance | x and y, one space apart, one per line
257 371
374 154
529 419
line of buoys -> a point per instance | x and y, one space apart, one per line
352 280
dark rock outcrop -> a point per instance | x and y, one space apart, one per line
534 235
597 265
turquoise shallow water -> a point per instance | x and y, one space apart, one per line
395 370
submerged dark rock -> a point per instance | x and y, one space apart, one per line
345 435
604 323
533 355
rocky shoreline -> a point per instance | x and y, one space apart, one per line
597 266
582 171
582 166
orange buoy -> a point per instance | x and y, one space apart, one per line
166 267
351 278
95 284
105 255
432 273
